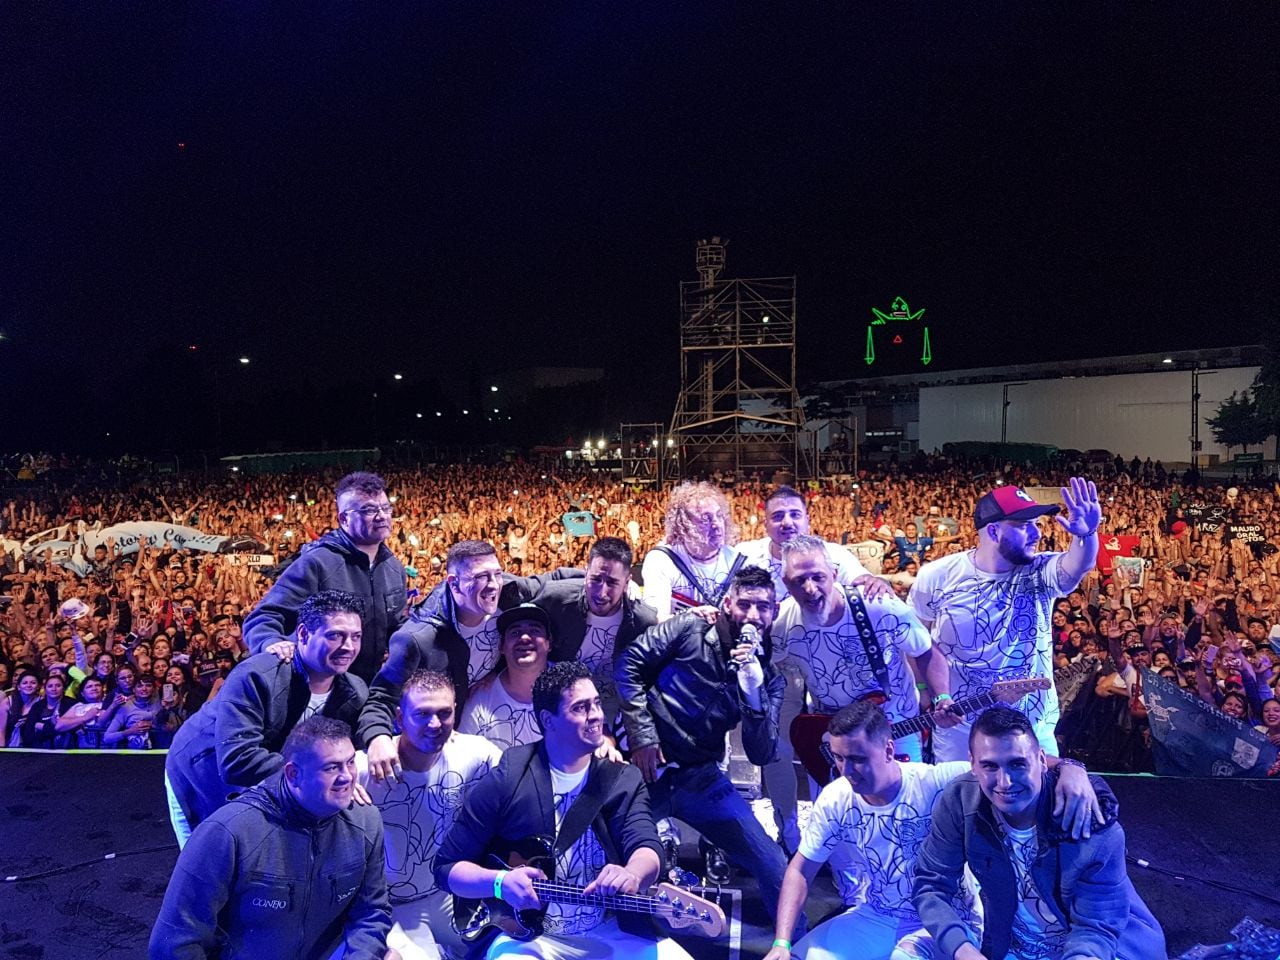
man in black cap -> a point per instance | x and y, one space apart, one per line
989 608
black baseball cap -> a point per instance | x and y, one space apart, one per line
526 611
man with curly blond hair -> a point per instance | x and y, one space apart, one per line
692 567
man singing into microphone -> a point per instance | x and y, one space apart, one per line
684 685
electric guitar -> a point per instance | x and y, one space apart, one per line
677 909
812 746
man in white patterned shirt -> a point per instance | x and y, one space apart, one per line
437 767
500 707
869 824
821 627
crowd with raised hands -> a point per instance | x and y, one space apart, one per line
174 615
437 623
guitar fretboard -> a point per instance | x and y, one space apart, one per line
549 890
967 706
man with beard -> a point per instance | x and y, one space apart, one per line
684 685
234 740
439 766
822 628
593 619
786 515
690 569
989 609
597 810
353 558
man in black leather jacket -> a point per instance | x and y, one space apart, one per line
684 685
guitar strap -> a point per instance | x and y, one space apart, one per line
723 588
584 810
870 643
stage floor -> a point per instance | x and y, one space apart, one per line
88 837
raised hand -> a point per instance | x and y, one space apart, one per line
1084 512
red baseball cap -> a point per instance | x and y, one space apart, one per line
1009 503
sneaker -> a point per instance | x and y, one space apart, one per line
717 867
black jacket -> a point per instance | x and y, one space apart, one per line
429 641
234 740
566 605
335 563
514 802
266 878
678 690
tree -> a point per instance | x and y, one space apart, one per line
1266 392
1237 424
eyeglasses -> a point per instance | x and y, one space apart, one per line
370 511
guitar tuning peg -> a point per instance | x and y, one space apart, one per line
662 895
691 910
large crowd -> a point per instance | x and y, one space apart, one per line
163 626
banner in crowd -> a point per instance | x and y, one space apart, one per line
1192 739
72 548
1112 546
250 559
1208 518
870 554
1246 532
580 524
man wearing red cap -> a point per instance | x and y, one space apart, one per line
989 608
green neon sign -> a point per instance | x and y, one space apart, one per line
899 313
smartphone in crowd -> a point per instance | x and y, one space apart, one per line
167 691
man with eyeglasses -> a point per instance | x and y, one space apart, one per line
353 558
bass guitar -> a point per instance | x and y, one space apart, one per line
676 909
812 746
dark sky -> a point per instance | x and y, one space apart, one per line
442 188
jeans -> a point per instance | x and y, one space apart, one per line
177 816
704 798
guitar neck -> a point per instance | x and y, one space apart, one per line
549 891
925 721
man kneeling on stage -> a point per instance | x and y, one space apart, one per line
597 811
1047 896
287 869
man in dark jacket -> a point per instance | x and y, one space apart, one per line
598 810
684 685
454 631
234 740
1045 895
593 619
353 558
288 869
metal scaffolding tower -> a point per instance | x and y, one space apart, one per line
738 409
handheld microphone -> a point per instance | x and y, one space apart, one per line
751 634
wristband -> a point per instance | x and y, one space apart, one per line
1069 762
497 884
783 943
941 698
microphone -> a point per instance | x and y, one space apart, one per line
751 634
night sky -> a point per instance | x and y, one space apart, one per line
345 190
